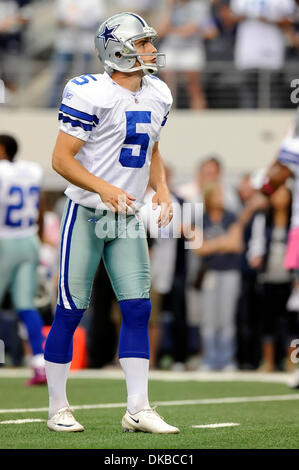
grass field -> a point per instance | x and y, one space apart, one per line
267 415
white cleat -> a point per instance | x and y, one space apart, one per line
64 421
147 420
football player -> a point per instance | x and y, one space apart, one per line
20 188
108 150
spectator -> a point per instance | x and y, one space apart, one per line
186 24
220 286
260 41
248 320
76 23
14 17
276 282
209 171
221 47
147 9
292 32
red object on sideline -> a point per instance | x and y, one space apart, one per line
80 355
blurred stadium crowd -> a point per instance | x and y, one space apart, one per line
220 53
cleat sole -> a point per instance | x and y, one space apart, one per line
128 430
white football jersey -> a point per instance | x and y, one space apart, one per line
20 188
289 156
119 128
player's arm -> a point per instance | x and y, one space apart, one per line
41 215
158 183
65 163
276 176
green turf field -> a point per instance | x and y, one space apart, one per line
271 424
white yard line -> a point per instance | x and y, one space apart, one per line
214 426
204 401
165 376
22 421
200 426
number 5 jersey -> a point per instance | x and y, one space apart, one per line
119 129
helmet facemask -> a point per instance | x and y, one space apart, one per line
129 51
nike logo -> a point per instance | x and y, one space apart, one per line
136 420
64 425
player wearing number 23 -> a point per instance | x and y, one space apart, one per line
107 149
20 187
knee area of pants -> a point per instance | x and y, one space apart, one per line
70 318
135 312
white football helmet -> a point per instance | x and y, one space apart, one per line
115 44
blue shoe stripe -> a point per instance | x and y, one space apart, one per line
65 425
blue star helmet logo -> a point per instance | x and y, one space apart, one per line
108 35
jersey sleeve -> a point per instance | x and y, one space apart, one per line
78 115
162 94
167 101
163 121
165 117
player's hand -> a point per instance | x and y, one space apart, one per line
116 199
162 198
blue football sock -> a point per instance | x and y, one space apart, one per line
59 344
33 322
134 339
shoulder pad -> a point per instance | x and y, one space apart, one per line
89 88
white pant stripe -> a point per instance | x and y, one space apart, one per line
63 256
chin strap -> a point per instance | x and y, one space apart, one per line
148 69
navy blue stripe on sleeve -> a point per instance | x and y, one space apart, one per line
78 114
74 123
288 157
288 160
165 119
